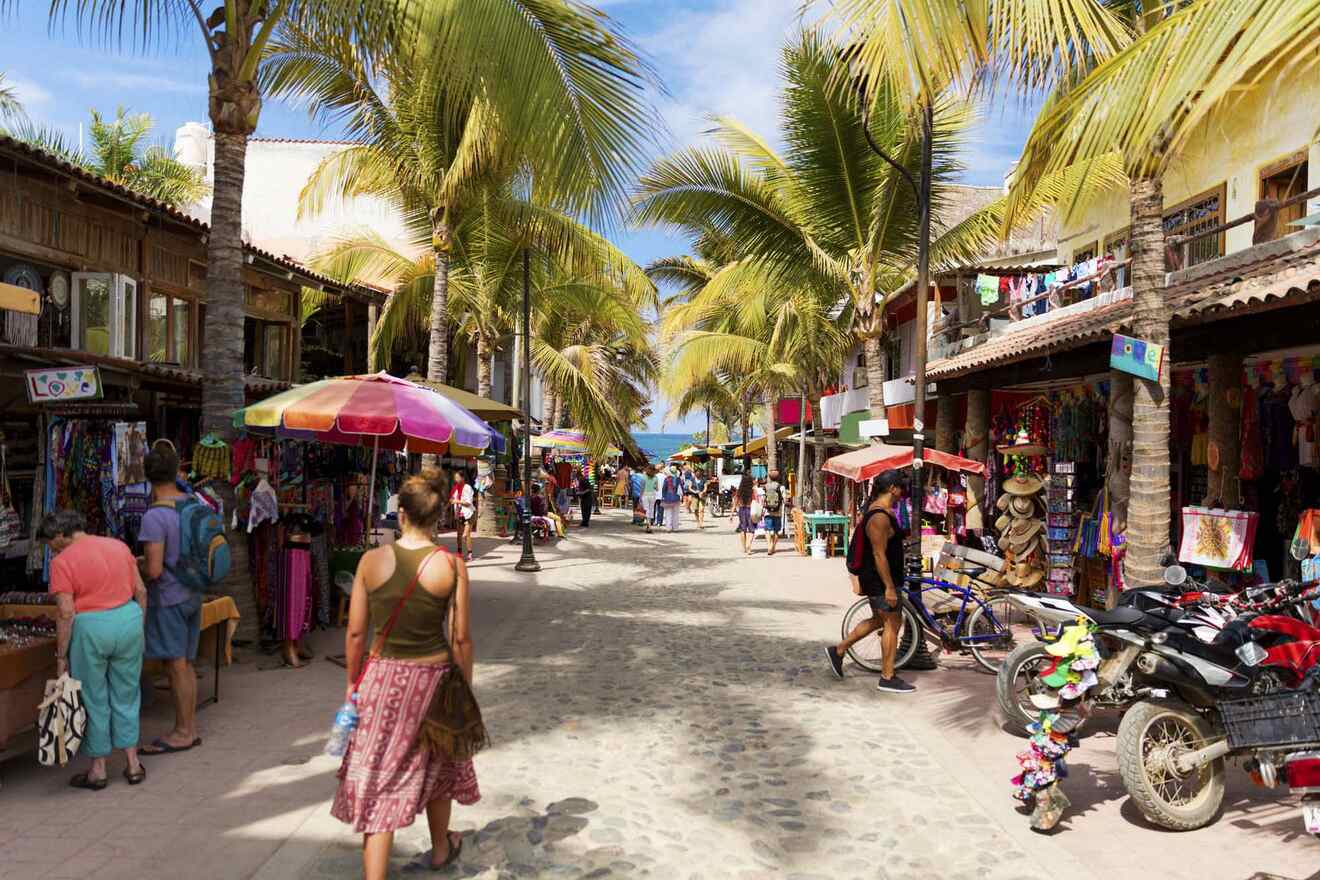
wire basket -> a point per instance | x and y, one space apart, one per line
1291 718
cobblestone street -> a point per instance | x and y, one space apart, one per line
659 708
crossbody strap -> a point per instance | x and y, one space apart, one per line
394 616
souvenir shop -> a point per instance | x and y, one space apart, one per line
1045 493
1240 523
304 509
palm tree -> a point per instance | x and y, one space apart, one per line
827 214
431 149
119 152
1137 110
10 107
589 338
564 83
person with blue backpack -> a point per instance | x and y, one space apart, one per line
184 552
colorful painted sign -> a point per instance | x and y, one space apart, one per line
1137 356
63 384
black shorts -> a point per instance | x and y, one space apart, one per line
880 605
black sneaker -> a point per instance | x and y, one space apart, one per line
836 662
922 660
895 685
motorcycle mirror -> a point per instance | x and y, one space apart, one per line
1175 575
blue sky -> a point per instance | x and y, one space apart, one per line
715 57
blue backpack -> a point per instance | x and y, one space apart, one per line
203 549
669 491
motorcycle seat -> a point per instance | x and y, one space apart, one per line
1123 615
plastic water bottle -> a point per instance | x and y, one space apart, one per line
346 721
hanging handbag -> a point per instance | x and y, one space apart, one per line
61 721
11 527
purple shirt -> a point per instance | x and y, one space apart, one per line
160 525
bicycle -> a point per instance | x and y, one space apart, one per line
990 631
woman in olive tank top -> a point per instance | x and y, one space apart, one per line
387 778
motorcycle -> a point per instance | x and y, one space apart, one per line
1218 622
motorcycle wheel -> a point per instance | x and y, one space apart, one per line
1015 682
1150 736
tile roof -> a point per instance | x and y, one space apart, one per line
1063 334
50 160
169 372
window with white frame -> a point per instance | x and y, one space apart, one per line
104 308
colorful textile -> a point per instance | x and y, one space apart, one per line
987 289
293 600
386 778
1218 538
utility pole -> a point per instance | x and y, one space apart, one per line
920 189
528 560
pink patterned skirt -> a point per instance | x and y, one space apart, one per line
386 779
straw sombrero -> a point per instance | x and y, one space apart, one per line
1021 505
1023 530
1033 579
1023 484
1002 524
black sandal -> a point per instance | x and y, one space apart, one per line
424 864
136 778
81 781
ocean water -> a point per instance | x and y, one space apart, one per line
661 446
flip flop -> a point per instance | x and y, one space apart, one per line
160 747
423 865
138 777
81 781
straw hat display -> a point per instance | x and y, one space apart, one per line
1022 535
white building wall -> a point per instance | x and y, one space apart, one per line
277 171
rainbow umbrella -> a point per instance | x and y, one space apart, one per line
377 410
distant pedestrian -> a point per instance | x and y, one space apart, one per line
465 510
650 495
586 497
699 498
671 498
102 603
412 750
743 498
636 483
774 510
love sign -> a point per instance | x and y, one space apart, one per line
63 384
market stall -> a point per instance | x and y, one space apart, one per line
861 465
324 457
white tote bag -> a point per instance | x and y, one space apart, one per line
61 721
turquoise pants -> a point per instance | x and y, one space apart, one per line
105 654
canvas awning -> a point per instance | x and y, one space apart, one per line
692 452
484 407
863 464
758 445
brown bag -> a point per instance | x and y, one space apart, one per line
453 726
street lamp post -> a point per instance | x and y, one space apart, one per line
921 189
528 560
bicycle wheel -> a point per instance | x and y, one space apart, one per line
869 652
994 630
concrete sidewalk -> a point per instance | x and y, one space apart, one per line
659 708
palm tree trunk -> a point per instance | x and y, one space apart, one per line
485 366
875 375
771 449
222 393
437 361
1148 513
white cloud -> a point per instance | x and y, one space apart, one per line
29 94
135 82
723 59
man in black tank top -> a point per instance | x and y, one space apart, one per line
879 574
